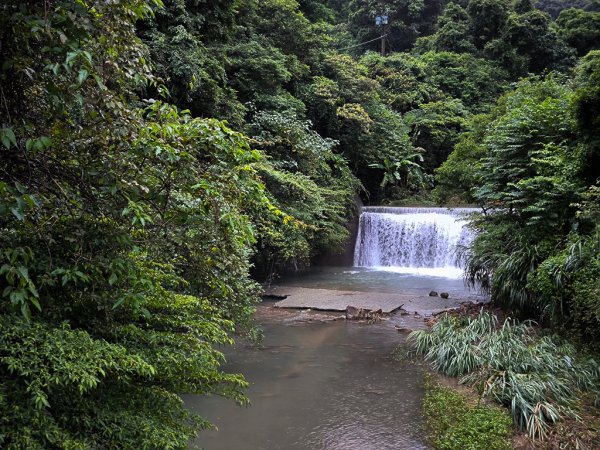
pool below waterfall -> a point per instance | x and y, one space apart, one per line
328 385
317 382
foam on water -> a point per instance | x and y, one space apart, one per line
443 272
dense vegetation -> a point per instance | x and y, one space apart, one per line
153 155
454 422
533 163
539 379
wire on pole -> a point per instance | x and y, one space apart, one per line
363 43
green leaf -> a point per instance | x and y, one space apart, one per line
8 138
82 76
118 303
11 136
18 214
45 140
70 59
35 303
24 272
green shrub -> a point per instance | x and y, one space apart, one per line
539 378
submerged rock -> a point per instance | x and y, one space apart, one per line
353 313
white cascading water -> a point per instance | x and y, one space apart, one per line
422 241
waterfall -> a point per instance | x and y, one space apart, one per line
412 240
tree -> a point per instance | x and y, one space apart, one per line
435 127
185 42
554 7
487 20
532 176
306 179
406 172
580 29
454 31
408 19
530 36
124 237
458 176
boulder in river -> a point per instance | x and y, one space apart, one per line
444 295
433 294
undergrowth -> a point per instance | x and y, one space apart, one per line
539 378
453 423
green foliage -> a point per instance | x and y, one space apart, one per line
568 283
192 72
531 174
487 20
453 423
408 19
538 378
580 29
531 163
412 80
128 224
124 238
518 37
406 172
554 7
460 173
530 148
586 105
453 34
306 179
435 127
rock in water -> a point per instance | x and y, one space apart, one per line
433 294
444 295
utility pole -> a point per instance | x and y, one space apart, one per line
382 21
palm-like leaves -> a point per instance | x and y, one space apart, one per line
537 378
406 172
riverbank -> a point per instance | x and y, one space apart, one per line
456 419
549 386
453 415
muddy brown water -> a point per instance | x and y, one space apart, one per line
330 385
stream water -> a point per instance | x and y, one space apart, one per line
390 280
327 385
334 385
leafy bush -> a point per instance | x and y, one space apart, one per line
538 378
306 179
124 237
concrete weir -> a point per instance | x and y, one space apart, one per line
413 242
336 300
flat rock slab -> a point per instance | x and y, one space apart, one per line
335 300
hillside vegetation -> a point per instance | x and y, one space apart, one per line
158 158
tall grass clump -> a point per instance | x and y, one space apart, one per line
539 378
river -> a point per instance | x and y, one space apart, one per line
331 385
